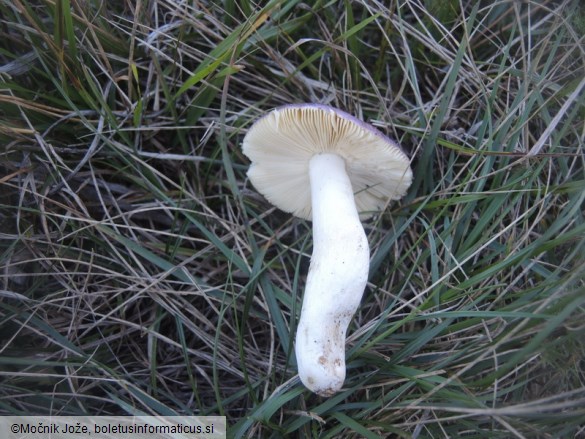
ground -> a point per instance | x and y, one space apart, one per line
141 272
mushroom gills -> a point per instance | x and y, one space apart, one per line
337 276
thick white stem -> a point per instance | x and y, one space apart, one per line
337 276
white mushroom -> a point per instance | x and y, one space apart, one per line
324 165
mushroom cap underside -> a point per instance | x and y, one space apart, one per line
281 144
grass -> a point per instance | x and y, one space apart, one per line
142 273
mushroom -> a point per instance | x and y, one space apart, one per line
322 164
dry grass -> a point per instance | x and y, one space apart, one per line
142 273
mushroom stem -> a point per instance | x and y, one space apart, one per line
337 276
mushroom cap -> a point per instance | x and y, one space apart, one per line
281 143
